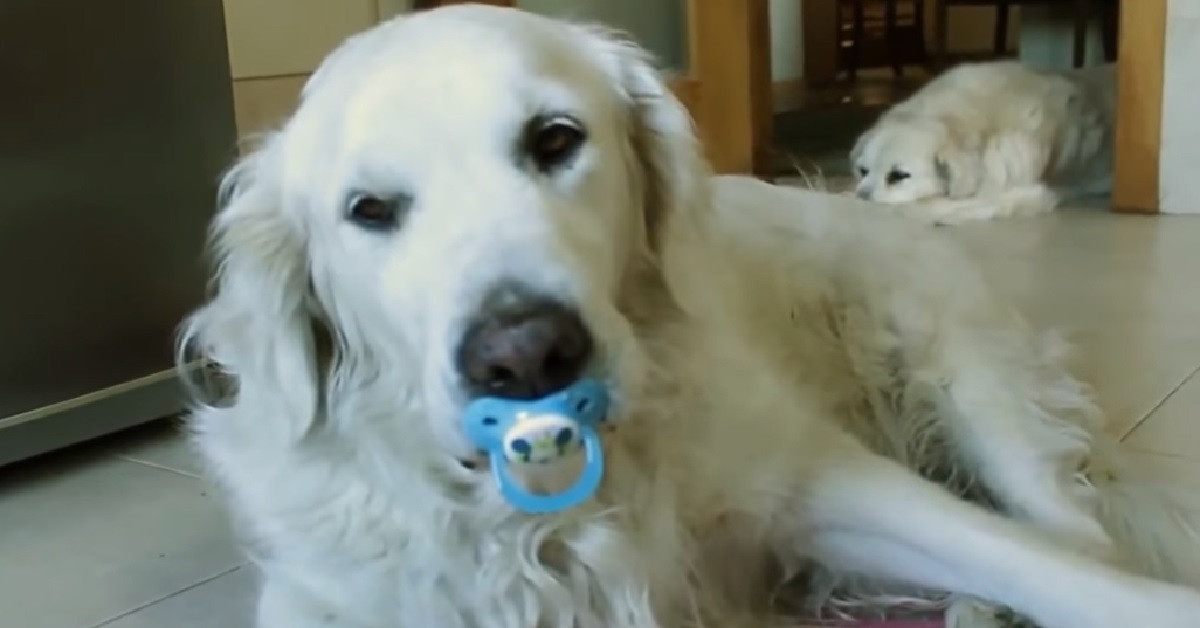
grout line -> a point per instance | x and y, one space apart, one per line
268 77
168 596
160 467
1141 421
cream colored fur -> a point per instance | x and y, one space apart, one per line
784 364
990 140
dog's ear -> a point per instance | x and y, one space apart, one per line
673 172
958 163
258 328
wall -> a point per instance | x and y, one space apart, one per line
659 25
1179 187
1047 37
787 39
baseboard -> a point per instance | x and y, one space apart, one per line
90 416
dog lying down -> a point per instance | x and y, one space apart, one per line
988 140
476 205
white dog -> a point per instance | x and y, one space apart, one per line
988 140
475 200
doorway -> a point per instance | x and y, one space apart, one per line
862 56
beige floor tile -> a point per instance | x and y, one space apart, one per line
1098 268
1180 476
1174 427
226 601
85 537
1130 379
1120 287
163 445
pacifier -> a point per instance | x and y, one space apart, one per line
538 432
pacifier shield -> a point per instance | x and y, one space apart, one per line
537 432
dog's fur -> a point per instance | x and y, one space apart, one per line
784 368
987 140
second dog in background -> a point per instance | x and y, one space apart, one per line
987 140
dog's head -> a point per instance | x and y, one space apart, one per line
462 205
905 158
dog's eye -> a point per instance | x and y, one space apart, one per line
375 213
863 172
552 141
896 176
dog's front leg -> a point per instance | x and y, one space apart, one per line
864 513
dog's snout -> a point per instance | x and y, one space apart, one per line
864 193
525 351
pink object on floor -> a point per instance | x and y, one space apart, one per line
891 623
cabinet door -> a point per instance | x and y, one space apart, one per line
288 37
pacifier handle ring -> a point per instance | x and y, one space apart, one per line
580 490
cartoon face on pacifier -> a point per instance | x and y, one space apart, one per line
541 439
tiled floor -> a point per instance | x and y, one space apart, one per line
125 533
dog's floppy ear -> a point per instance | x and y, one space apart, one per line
958 162
258 327
674 173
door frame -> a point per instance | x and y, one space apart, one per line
727 88
1141 52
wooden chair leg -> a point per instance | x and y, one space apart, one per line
891 32
1000 35
1083 14
859 17
941 15
1110 12
922 46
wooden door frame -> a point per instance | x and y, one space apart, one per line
727 87
729 57
1140 82
821 41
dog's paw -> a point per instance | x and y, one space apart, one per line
929 216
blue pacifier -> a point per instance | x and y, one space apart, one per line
540 431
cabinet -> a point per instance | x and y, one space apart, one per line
274 45
114 129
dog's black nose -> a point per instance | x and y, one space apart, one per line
525 350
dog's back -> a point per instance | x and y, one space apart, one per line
1065 117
